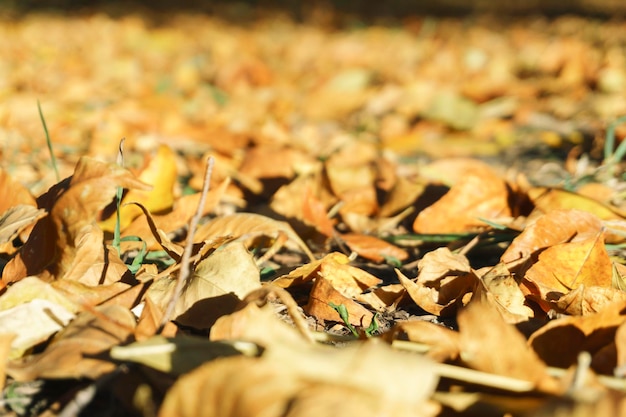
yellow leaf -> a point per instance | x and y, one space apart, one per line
160 173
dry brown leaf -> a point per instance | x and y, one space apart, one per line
31 288
441 263
12 193
214 288
443 298
351 178
314 213
442 284
289 199
323 294
373 248
385 298
555 227
232 387
620 346
251 226
73 353
308 272
347 279
149 321
479 193
564 267
583 300
559 342
14 221
499 288
489 344
273 162
292 367
184 208
91 295
67 243
33 322
442 343
401 196
159 172
549 199
225 386
5 346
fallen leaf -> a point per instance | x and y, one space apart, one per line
176 356
314 213
548 199
441 263
12 193
559 342
323 295
214 288
32 322
160 173
74 352
443 298
564 267
443 343
14 221
479 194
182 212
553 228
442 284
489 344
583 300
373 248
500 289
67 243
308 272
250 226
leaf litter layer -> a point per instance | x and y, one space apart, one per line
370 231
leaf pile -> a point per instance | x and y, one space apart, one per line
352 256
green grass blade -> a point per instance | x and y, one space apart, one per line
118 202
49 142
612 156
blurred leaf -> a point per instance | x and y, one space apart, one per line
73 353
174 355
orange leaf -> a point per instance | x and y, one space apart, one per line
308 272
12 193
314 213
564 267
489 344
479 194
557 226
323 293
372 248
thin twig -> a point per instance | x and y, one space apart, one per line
185 271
